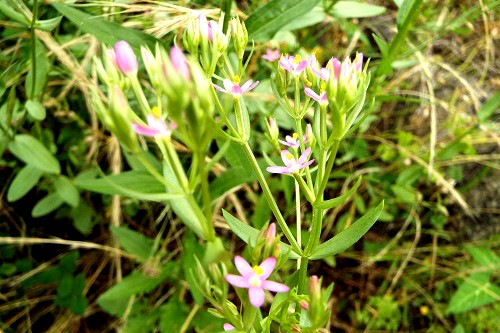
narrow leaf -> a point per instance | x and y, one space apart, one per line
249 235
105 31
349 236
382 45
354 9
332 203
488 108
24 181
33 152
49 24
37 75
273 16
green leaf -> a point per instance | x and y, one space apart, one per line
349 236
36 109
12 13
126 184
67 191
135 283
405 10
47 205
24 181
354 9
488 108
173 315
192 249
332 203
273 16
230 179
484 257
106 32
82 218
133 242
382 45
315 16
473 293
49 24
249 235
35 81
33 152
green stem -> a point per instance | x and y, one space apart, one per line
204 188
304 261
175 164
315 234
328 170
33 47
139 94
298 125
298 218
303 186
297 97
155 172
222 112
270 199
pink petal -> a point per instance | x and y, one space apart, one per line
285 64
304 156
256 295
307 164
145 130
228 327
278 169
360 62
125 57
252 86
245 86
219 88
309 92
179 62
275 286
237 281
302 65
267 266
236 90
243 267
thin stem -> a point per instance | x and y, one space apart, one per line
270 199
296 102
33 48
328 169
304 261
298 219
298 125
221 111
155 172
176 165
139 94
204 188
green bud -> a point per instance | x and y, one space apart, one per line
240 36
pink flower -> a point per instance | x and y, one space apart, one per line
234 89
292 141
255 279
323 73
228 327
291 164
271 55
321 98
156 127
179 62
293 64
125 58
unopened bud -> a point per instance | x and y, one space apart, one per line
304 305
179 62
240 36
125 58
296 328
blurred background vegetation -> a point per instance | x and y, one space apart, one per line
429 147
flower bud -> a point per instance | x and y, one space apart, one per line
304 305
179 62
318 311
125 58
240 36
282 81
310 135
121 123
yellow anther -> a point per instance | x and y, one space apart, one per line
322 87
236 79
297 59
156 112
289 156
258 270
295 136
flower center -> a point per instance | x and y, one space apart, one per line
156 112
255 281
322 87
236 79
258 270
289 157
295 136
297 59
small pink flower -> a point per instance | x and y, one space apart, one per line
323 73
293 141
156 127
321 98
271 55
234 89
255 279
228 327
291 164
125 58
179 62
203 25
293 64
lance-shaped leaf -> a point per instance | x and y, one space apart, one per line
249 234
332 203
349 236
